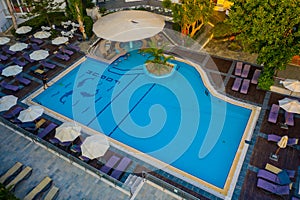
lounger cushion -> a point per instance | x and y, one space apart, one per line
110 164
236 85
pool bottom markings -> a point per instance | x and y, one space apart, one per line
147 92
108 104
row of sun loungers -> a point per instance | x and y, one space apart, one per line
241 84
22 175
274 112
276 138
8 86
116 168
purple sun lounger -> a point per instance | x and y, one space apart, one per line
74 47
35 46
117 172
47 64
13 112
18 62
245 86
47 130
238 68
27 57
246 70
289 118
237 84
23 80
3 57
8 86
6 50
62 57
66 51
275 178
273 113
110 164
276 138
36 40
273 188
255 76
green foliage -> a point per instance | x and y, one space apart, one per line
88 23
90 4
265 81
42 8
167 4
102 10
269 28
222 30
6 194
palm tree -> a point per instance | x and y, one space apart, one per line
76 9
11 12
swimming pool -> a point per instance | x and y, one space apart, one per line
175 119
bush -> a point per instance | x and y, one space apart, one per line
222 30
265 81
6 194
102 10
88 23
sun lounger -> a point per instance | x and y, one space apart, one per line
245 86
52 194
83 158
35 46
121 167
75 148
23 80
6 50
25 173
238 68
273 188
3 57
47 130
74 47
237 84
275 178
18 62
27 125
36 70
8 86
276 138
27 57
47 64
289 118
11 172
255 76
66 51
40 123
110 164
273 113
36 40
276 170
42 186
246 70
62 57
13 112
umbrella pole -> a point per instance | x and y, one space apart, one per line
277 151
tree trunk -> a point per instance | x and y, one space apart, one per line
11 12
195 29
80 22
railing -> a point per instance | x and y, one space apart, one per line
169 187
68 157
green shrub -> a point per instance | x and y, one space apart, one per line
265 81
102 10
6 194
88 23
176 27
222 30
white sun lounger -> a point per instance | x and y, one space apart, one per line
42 186
11 172
26 172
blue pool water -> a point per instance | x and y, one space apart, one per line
173 119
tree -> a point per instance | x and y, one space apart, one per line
270 29
11 12
42 8
76 8
191 15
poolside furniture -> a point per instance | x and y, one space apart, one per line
66 51
289 118
83 158
18 62
273 188
75 148
27 57
8 86
40 123
280 179
25 125
23 80
255 76
42 186
25 173
245 71
245 86
35 46
47 64
52 194
36 40
121 167
6 50
238 68
54 141
273 113
3 57
109 164
47 130
74 47
237 84
276 170
11 172
12 112
62 57
276 138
